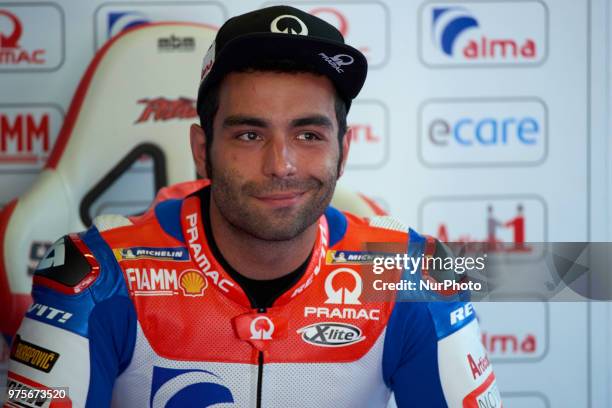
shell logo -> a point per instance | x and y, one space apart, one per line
193 283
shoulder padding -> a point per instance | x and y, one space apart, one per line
109 221
65 263
387 222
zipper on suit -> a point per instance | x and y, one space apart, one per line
260 367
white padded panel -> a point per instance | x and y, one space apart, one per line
105 130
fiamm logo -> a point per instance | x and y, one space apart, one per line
27 134
483 33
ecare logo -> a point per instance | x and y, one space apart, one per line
182 387
483 132
369 135
343 287
496 224
348 18
483 33
27 135
24 44
113 18
525 339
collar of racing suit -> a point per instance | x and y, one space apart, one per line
193 221
261 293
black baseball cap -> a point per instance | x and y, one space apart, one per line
287 33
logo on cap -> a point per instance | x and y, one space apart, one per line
261 328
348 284
284 24
337 61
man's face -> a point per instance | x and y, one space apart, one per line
275 152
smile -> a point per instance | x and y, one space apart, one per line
284 199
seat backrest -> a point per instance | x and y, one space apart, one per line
136 97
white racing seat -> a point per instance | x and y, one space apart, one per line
136 97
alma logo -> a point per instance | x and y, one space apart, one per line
505 344
470 33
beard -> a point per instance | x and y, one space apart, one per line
236 203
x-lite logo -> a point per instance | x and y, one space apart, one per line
331 334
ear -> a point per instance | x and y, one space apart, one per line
346 145
198 149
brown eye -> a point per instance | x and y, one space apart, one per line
309 136
249 136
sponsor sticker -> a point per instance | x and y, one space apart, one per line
483 132
525 340
176 44
498 224
28 45
485 396
156 253
27 135
350 257
165 282
49 313
328 334
32 355
470 34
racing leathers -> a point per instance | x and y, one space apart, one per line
140 313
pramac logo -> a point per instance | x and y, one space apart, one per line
193 283
10 39
262 328
343 286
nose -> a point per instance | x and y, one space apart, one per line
279 158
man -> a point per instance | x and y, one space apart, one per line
225 297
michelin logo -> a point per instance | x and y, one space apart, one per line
168 254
